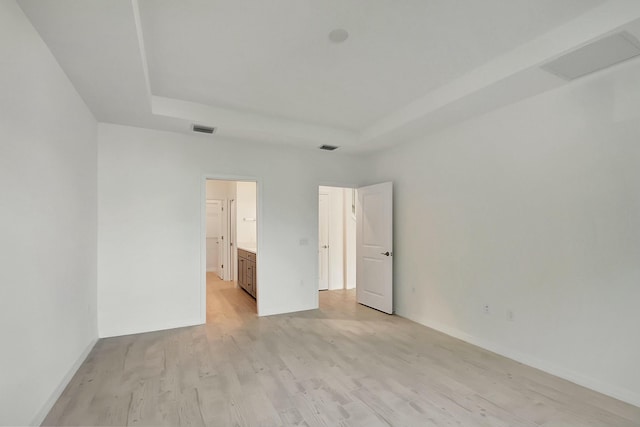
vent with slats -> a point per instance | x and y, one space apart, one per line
328 147
203 129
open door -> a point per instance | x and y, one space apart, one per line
233 253
213 235
222 245
374 250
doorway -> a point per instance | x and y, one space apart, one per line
355 246
336 238
231 236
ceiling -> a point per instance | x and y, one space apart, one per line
267 71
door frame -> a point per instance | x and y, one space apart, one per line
233 252
203 240
328 220
222 244
318 184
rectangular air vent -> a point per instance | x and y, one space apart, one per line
328 147
203 129
595 56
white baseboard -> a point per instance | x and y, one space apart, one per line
616 392
40 416
150 328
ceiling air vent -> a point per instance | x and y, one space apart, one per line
328 147
203 129
595 56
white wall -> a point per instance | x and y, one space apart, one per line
246 210
218 190
48 216
534 208
149 237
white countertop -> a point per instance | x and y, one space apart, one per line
248 248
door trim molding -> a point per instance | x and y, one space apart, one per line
203 241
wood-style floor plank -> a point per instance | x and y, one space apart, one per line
342 365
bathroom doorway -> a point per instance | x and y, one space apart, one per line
231 246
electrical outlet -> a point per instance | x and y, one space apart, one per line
486 308
510 316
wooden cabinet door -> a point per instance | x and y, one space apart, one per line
254 280
241 275
247 272
249 277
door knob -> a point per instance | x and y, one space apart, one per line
325 247
385 253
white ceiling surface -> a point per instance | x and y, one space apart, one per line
267 71
278 60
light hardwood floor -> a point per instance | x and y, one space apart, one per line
341 365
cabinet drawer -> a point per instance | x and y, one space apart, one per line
251 256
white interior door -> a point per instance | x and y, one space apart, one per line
222 244
374 251
214 229
323 242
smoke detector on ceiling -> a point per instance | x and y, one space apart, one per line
595 56
339 35
203 129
